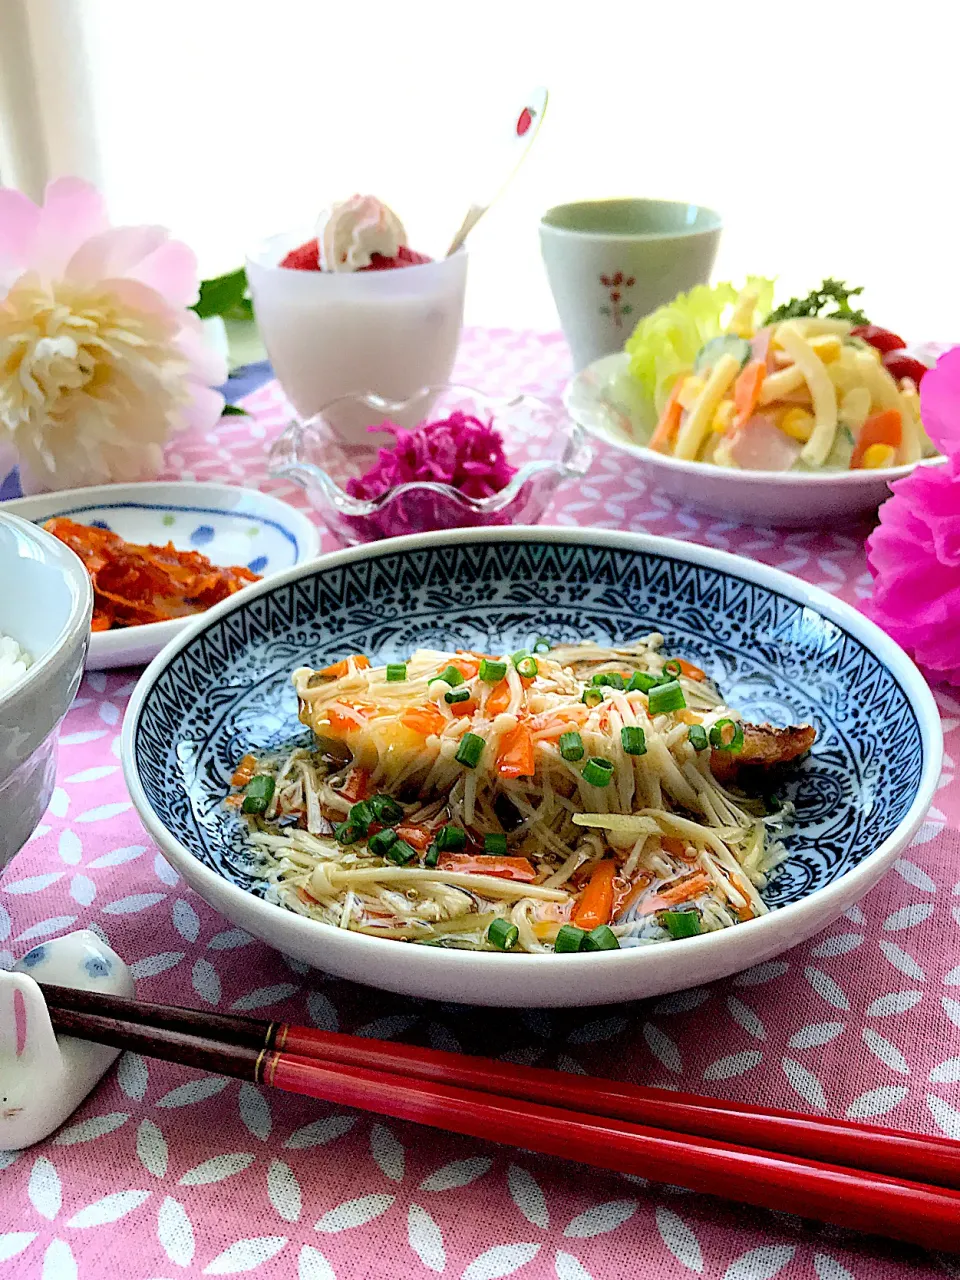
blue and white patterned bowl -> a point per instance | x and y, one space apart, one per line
779 649
230 526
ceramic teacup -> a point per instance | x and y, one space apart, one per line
609 262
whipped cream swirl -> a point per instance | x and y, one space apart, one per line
349 233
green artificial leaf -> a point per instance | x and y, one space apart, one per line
234 411
224 296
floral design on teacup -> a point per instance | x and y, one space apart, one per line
617 308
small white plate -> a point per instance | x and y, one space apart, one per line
229 526
787 498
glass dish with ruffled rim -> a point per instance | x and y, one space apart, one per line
326 451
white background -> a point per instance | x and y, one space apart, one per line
827 134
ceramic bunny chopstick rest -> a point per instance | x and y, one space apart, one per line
43 1077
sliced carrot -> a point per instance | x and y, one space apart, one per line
882 428
425 720
684 890
504 868
357 786
244 771
342 716
666 429
689 670
338 669
308 898
468 667
416 836
498 699
467 708
747 388
626 892
596 903
550 727
234 801
516 758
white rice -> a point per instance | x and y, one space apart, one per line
13 662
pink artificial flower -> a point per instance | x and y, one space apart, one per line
914 556
940 403
100 360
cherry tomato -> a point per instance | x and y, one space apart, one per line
899 365
882 339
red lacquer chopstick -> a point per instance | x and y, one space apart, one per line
865 1201
918 1158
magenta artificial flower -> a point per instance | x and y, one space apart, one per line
914 554
100 360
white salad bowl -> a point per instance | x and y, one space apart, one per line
784 498
45 605
780 650
229 525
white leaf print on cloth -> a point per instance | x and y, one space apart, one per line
14 1242
56 924
733 1064
387 1152
600 1029
131 905
827 988
893 1002
322 1012
206 982
679 1239
683 1001
907 917
901 960
152 1148
760 1264
175 1232
150 966
567 1267
116 857
914 875
83 890
888 1053
354 1213
33 884
952 1009
816 1033
193 1091
132 1075
662 1047
459 1173
163 871
91 1128
263 996
217 1168
386 1028
284 1191
108 1209
69 847
839 945
805 1082
104 811
245 1255
94 774
743 1014
501 1260
312 1265
877 1102
527 1196
58 1262
600 1219
761 973
947 1117
425 1238
948 1072
44 1189
828 1268
229 939
185 920
255 1111
320 1132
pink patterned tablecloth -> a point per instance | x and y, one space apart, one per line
166 1173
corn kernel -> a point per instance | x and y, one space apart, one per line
723 417
878 455
798 424
690 391
827 346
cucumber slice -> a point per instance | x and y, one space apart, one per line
726 344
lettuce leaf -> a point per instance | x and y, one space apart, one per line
665 343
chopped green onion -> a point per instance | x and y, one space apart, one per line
518 657
503 934
542 645
379 844
385 809
432 856
597 771
643 681
672 668
451 839
724 741
571 745
613 679
569 938
698 737
400 852
666 697
451 676
602 938
470 750
633 740
258 794
592 696
492 672
528 668
361 815
680 924
495 844
457 695
346 833
396 671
